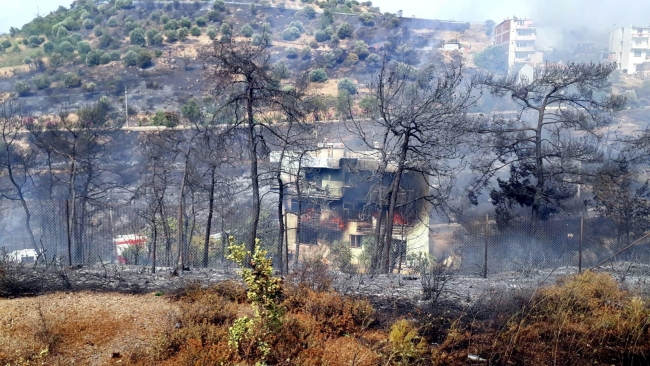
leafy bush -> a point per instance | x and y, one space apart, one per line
83 48
212 33
349 85
112 22
35 41
92 58
167 119
263 39
322 35
71 80
90 87
114 55
247 30
201 22
407 347
351 59
195 31
144 59
171 36
150 34
493 59
291 52
104 59
123 4
186 23
361 49
318 75
171 25
137 37
226 29
291 34
48 47
65 48
22 88
130 59
183 33
344 30
88 24
309 12
367 19
41 81
98 32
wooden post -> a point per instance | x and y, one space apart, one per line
485 254
582 225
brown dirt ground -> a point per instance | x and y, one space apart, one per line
84 328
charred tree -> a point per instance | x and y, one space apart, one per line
551 141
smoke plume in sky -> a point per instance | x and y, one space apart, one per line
562 23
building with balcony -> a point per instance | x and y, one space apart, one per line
336 200
517 37
629 47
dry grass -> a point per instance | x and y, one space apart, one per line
583 319
79 328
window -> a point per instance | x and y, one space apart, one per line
522 44
355 241
330 152
637 53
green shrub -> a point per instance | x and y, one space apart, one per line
114 55
195 31
41 81
351 59
322 35
171 25
167 119
130 59
65 48
263 39
318 75
137 37
247 30
361 49
367 19
183 33
93 57
211 32
493 59
83 48
98 32
291 34
291 52
112 22
104 58
48 47
344 30
144 59
22 88
185 23
373 60
71 80
90 87
171 35
157 39
201 22
226 29
309 12
88 24
349 85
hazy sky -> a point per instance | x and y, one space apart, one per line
559 21
15 13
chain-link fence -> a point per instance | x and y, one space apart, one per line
481 247
52 230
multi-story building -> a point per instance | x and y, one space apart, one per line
517 37
630 49
337 202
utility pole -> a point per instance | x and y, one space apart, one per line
126 107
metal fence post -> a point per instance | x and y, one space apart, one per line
582 224
485 254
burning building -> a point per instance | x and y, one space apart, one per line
332 195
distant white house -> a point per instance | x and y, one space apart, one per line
451 46
629 47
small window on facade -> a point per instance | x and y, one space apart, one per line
355 241
637 53
330 152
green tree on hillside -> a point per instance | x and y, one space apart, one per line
493 59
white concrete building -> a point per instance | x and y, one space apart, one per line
630 49
517 37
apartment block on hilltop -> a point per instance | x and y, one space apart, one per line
630 49
517 37
337 202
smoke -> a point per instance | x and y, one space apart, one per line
561 23
564 23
